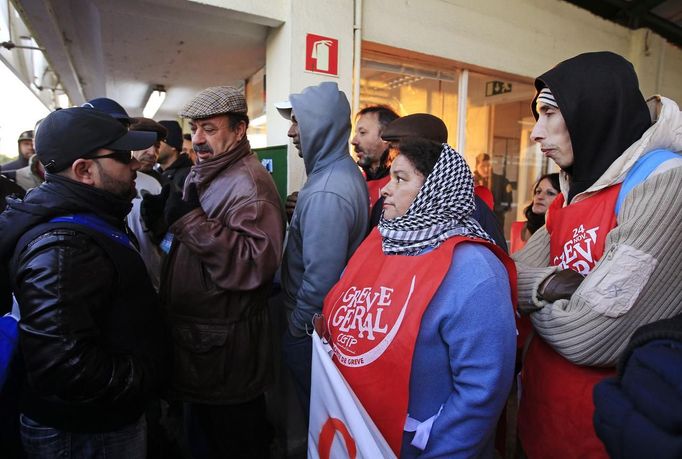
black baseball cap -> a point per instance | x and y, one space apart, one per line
110 107
72 133
174 137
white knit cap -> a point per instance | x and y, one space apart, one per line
547 98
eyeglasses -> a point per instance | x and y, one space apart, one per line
122 156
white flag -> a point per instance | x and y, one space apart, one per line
339 425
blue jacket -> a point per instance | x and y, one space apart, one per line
639 413
464 357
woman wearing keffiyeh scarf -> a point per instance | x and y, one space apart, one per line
442 208
453 341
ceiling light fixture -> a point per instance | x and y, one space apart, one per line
154 102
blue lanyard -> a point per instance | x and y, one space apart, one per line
96 223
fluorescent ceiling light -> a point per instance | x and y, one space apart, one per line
154 102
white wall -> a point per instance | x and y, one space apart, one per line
285 64
524 37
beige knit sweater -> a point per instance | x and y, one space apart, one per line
639 278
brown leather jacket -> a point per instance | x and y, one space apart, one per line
217 279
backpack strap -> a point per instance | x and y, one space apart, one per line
94 222
641 170
88 224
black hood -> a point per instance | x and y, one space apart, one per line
56 197
599 97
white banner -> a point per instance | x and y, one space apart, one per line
339 426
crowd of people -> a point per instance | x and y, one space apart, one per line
144 265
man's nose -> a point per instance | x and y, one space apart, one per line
291 132
198 137
538 132
354 140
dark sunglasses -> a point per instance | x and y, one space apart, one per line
122 156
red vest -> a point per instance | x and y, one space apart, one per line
373 315
374 189
516 241
555 414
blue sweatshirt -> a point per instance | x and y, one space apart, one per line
464 357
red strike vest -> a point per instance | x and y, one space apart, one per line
555 415
374 189
373 315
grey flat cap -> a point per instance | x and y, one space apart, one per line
213 101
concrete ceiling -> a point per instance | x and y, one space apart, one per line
122 48
662 16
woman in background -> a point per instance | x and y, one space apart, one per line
544 192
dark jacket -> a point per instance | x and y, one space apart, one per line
90 335
639 414
217 280
16 164
178 171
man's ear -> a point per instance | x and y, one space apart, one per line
241 130
83 170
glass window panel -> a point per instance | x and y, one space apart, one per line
411 90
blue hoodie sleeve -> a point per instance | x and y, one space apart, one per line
464 357
327 222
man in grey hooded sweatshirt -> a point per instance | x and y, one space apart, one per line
329 222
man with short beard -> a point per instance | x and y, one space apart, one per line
90 337
372 151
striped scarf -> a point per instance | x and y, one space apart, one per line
441 210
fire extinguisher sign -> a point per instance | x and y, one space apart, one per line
322 54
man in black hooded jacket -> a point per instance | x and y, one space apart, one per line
90 332
607 261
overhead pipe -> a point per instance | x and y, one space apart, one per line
357 53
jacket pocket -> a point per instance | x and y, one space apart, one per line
200 347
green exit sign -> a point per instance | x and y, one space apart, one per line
494 88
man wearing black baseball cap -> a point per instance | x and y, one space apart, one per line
174 163
90 335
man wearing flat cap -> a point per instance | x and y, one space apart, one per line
227 244
90 337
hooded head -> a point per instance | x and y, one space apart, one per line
323 116
604 111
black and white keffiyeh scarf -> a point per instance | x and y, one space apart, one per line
441 210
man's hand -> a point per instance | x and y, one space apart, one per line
290 205
560 285
151 212
176 207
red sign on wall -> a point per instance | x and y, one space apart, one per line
322 54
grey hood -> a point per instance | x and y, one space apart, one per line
323 116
